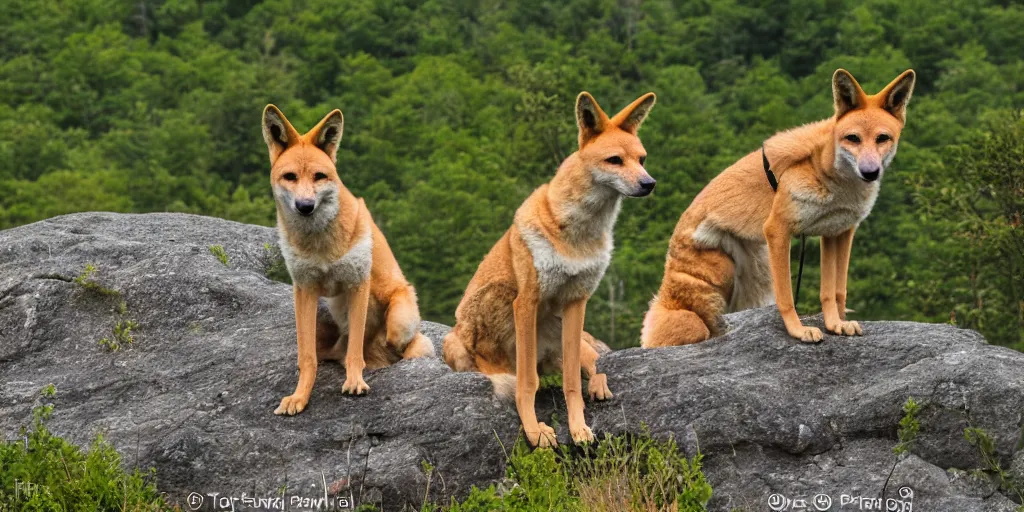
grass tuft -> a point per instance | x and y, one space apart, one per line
86 280
41 471
909 426
219 252
986 446
273 262
121 335
551 381
631 472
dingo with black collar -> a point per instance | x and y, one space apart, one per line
730 249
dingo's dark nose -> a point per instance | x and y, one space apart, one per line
305 206
870 174
646 186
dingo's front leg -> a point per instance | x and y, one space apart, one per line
828 285
305 330
354 362
572 333
525 311
778 234
843 244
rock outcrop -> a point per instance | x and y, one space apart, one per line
213 352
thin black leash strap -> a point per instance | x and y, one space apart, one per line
768 171
800 271
774 182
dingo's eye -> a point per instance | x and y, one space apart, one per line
614 160
643 159
290 176
853 138
883 138
319 176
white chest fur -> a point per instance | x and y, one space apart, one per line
562 278
835 207
332 277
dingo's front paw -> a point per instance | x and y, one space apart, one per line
543 437
581 435
845 328
292 405
806 334
355 385
598 387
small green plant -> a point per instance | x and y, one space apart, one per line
909 426
907 434
85 277
86 280
551 381
45 472
121 335
428 470
219 252
986 446
276 270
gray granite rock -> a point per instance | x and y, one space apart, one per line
214 352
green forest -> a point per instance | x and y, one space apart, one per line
456 110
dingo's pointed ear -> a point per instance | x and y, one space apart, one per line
590 119
896 95
326 135
846 92
277 132
631 117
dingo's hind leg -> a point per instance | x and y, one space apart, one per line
420 346
667 327
597 387
403 320
693 296
455 352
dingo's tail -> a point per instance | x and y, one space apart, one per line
504 385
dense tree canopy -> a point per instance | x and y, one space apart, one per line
455 110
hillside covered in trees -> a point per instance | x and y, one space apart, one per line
456 110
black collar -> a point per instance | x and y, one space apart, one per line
772 180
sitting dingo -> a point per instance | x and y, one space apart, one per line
333 249
531 290
732 244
